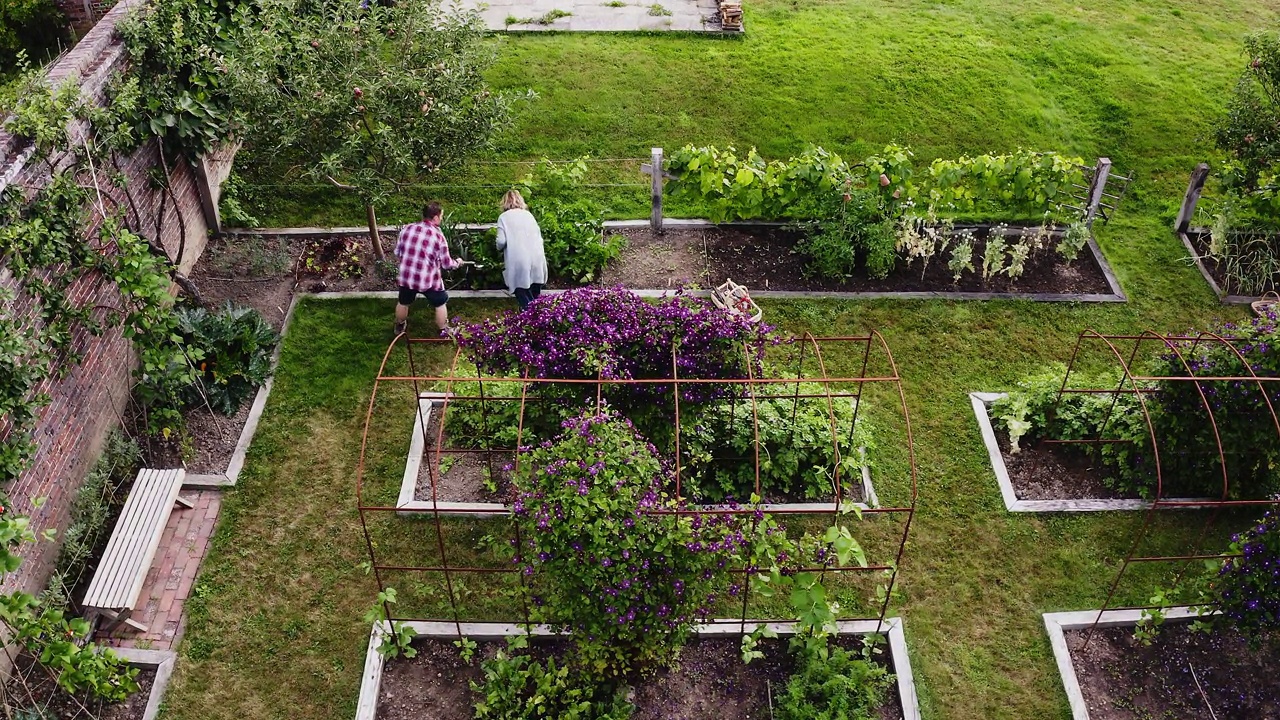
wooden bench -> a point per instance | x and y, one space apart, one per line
114 590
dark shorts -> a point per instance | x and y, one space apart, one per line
435 297
524 296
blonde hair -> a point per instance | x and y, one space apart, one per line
513 200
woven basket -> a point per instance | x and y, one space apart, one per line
1269 301
734 298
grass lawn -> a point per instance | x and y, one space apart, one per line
275 630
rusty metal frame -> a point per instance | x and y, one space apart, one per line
1126 351
866 347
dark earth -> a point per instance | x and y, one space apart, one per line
33 686
709 682
1053 472
763 258
1217 270
1124 680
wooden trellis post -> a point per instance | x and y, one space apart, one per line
1099 185
654 170
1192 198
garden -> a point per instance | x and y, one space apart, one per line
881 500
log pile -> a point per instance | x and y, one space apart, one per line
731 14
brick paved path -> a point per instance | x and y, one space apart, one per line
173 573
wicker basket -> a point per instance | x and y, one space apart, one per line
734 298
1269 301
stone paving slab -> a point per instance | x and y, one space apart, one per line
598 15
183 546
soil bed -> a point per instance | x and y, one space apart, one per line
1053 472
1121 679
42 691
1216 269
710 682
764 258
212 436
465 473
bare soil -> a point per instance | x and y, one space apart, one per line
1121 679
464 473
210 441
33 686
1218 270
1053 472
709 682
765 259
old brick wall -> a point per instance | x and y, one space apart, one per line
90 400
83 13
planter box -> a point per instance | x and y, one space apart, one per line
162 662
1223 296
408 505
371 680
1115 295
236 464
981 405
1056 624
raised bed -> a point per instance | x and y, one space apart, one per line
1195 240
1181 674
759 255
248 421
415 488
155 667
1040 480
372 692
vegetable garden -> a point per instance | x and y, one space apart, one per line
626 502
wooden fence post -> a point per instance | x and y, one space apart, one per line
655 175
1192 198
1099 185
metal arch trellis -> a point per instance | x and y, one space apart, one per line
809 349
1142 385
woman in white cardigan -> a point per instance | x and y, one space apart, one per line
520 239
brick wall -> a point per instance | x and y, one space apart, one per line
89 401
83 13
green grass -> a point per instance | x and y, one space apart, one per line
1136 81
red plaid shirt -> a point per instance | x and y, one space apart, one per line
423 251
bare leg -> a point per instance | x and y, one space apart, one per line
442 316
402 312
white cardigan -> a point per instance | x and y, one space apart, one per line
524 261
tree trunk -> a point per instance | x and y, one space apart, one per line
373 234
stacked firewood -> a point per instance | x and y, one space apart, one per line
731 14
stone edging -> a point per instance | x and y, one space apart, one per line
1117 294
236 464
1056 624
1223 297
371 680
408 506
162 661
981 404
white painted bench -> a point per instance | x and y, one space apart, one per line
114 590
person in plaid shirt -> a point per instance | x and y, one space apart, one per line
423 252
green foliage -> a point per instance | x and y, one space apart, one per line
842 685
1023 182
369 98
798 439
747 188
1073 240
852 230
517 687
179 50
29 29
572 225
626 584
236 345
53 639
1250 131
397 638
